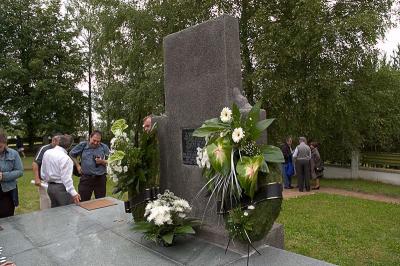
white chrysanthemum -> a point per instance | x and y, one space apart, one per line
109 170
112 141
237 134
160 215
251 207
115 179
181 205
148 208
125 169
226 115
202 159
118 132
198 161
246 214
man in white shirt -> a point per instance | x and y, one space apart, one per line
56 170
45 202
302 156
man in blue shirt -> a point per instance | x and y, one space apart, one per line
10 169
92 167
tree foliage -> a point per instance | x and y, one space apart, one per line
313 63
40 65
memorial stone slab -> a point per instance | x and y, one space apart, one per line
114 243
202 75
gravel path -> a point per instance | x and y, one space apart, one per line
293 193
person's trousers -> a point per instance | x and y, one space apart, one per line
7 206
45 202
92 183
303 174
287 180
58 195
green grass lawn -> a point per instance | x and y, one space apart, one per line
27 162
342 230
29 195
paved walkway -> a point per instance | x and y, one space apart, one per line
293 193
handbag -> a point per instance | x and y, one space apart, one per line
289 169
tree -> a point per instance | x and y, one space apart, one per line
129 62
308 61
84 16
40 66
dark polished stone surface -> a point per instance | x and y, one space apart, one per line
71 235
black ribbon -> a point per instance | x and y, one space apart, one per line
267 192
145 196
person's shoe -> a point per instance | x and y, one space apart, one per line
315 188
290 187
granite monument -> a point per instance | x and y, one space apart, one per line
202 74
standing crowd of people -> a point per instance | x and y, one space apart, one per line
53 168
304 162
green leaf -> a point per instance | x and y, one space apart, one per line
206 129
272 154
142 226
264 167
219 154
116 156
247 172
253 116
168 237
120 124
212 121
236 116
184 229
264 124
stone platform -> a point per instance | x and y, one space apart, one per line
71 235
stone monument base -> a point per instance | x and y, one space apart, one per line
217 235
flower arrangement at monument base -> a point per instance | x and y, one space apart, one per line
241 175
166 218
133 168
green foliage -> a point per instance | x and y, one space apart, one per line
247 169
40 67
119 125
256 224
133 167
219 154
272 154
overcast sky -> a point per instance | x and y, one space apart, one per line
392 39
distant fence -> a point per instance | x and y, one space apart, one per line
379 167
38 142
380 160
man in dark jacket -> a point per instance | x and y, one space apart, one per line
287 167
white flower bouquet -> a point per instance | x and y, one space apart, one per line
166 217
